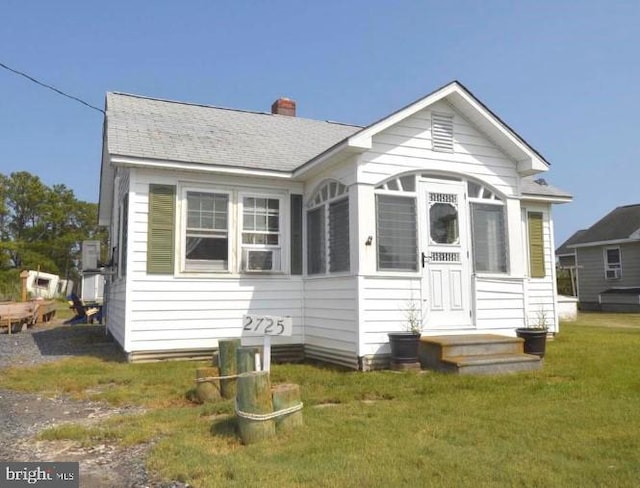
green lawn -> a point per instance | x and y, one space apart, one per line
575 423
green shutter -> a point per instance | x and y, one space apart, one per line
536 245
161 228
296 234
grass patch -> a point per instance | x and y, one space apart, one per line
574 423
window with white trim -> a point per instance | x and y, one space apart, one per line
230 230
207 231
488 230
261 238
328 230
612 263
396 224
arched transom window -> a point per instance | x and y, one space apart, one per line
397 224
328 229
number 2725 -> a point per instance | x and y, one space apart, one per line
264 325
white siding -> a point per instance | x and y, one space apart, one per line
407 147
500 304
116 317
331 313
193 314
168 312
116 288
541 295
384 304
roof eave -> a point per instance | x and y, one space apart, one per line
529 161
546 198
105 197
133 161
611 242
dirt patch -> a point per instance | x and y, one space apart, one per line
23 416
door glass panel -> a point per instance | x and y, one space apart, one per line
443 220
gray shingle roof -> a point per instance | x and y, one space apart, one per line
174 131
166 130
620 223
564 247
534 185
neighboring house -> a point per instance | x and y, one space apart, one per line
607 259
216 213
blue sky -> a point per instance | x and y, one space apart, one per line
563 74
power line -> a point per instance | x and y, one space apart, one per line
60 92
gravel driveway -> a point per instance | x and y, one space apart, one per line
23 415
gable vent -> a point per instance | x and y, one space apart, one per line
442 132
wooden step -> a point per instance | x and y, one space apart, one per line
476 354
491 364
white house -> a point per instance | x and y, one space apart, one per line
216 213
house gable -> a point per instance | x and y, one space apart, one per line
620 225
529 161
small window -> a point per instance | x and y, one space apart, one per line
612 263
42 283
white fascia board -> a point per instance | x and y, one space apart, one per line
604 243
532 163
128 161
364 136
545 199
531 166
105 197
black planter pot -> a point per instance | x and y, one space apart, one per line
405 347
535 340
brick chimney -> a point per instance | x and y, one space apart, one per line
284 106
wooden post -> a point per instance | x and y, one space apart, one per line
228 366
254 397
285 396
23 283
207 391
246 357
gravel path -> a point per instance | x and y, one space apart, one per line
23 415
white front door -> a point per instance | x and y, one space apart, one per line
444 243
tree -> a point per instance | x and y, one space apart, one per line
43 226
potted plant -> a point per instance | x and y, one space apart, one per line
405 345
535 335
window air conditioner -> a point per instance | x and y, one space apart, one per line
613 274
259 260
